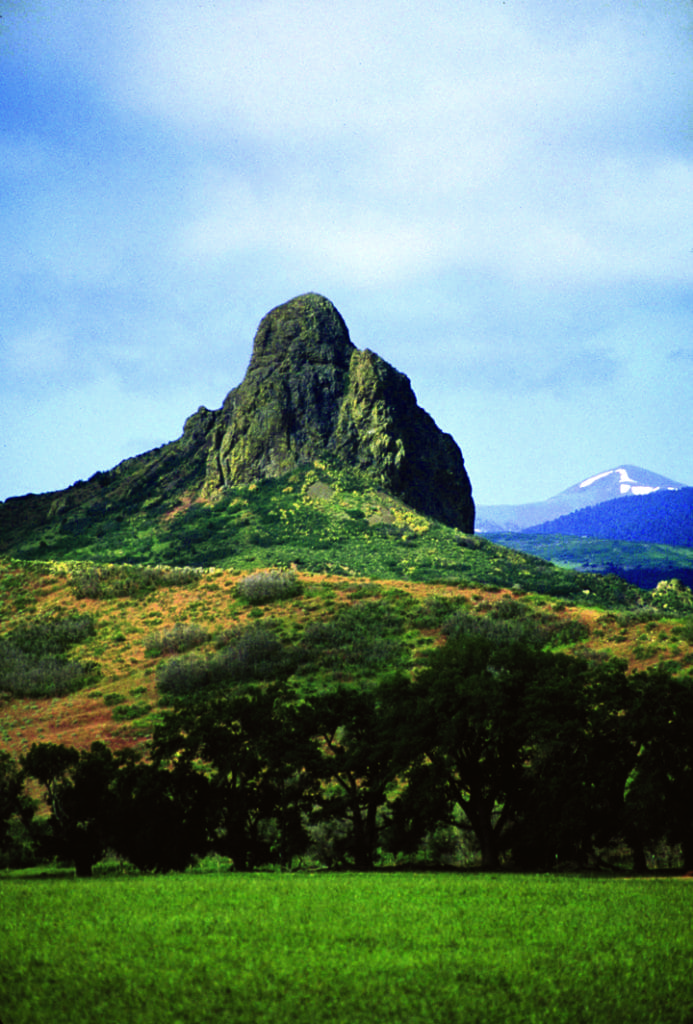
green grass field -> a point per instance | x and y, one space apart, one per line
398 948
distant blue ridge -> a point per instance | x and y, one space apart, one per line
663 517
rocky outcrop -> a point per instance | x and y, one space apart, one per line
310 394
286 410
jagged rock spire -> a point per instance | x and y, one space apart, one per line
309 393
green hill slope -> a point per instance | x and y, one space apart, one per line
318 519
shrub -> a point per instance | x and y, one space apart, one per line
181 638
253 654
128 712
265 587
179 676
365 636
52 635
508 608
33 662
509 621
48 676
112 699
105 581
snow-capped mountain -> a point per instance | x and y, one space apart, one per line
622 482
616 483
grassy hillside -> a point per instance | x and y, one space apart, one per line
320 520
97 605
125 631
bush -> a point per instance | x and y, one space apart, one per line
49 676
106 581
181 638
365 636
128 712
113 699
253 654
509 621
265 587
52 635
180 676
33 662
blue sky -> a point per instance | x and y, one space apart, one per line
496 194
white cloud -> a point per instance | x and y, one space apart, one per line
522 139
276 67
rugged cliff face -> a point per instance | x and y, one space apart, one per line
286 410
310 394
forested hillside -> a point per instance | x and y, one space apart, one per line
665 517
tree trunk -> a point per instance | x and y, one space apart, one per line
484 832
489 853
639 858
83 866
363 859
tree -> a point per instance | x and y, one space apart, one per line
361 757
571 800
15 805
520 740
659 794
468 727
252 750
162 819
78 791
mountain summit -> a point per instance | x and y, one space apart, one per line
623 482
308 395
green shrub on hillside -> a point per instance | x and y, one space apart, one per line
366 636
266 587
179 676
52 635
46 676
33 661
92 581
251 654
510 620
182 637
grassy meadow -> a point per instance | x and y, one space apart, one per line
373 948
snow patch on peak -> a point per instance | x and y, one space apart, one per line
593 479
600 476
626 483
625 479
641 489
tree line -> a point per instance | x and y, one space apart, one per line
539 758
